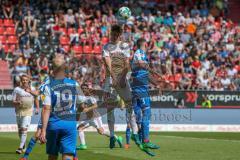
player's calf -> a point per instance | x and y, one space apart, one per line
23 137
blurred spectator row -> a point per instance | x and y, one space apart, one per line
190 42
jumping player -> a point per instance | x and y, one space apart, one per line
141 77
116 59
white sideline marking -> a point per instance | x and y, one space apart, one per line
198 138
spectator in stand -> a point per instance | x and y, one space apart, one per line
8 9
31 23
185 82
195 40
20 68
70 19
42 62
74 37
225 81
2 53
27 51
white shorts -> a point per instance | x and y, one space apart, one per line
95 122
23 121
125 93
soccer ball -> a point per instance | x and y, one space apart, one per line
124 12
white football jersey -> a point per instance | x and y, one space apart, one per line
118 53
27 100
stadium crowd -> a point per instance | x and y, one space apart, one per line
192 43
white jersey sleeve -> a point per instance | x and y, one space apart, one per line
46 96
126 49
91 101
105 51
80 96
14 94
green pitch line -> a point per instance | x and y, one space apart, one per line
174 146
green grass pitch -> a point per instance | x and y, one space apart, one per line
174 146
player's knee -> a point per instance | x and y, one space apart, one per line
23 130
100 131
80 129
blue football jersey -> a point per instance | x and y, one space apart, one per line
140 76
62 95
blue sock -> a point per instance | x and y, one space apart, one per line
128 135
30 146
140 134
75 155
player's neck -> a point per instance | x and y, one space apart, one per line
143 49
115 41
59 75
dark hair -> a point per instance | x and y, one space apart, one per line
84 85
116 30
140 41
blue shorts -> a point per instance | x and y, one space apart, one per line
140 104
61 140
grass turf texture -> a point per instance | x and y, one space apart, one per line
174 146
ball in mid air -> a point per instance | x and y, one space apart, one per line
124 12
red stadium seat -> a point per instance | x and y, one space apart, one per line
177 77
64 40
5 48
8 23
97 49
3 39
80 30
237 67
12 48
70 31
64 30
1 22
10 31
104 40
77 50
2 31
88 22
66 48
12 40
87 49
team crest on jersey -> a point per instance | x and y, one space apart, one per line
42 97
123 46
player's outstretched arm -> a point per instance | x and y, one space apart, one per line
45 117
36 102
45 113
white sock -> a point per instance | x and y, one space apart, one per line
82 137
111 122
134 125
23 138
106 133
